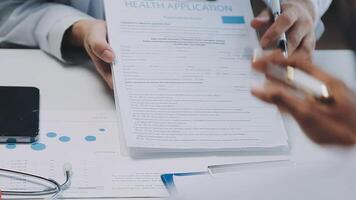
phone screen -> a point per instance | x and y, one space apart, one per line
19 114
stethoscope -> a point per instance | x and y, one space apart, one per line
54 188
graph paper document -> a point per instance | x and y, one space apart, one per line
183 74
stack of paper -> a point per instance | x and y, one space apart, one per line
183 74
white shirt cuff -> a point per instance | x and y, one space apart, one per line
320 7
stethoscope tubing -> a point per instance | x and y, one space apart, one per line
57 188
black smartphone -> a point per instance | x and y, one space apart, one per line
19 114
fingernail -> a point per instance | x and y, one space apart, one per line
257 54
257 89
262 18
108 56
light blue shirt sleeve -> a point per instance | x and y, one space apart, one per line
37 23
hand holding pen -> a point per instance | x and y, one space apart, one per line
295 78
296 20
323 106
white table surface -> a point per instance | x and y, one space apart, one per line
79 87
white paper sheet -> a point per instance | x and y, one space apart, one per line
329 179
183 74
89 142
71 134
99 169
91 178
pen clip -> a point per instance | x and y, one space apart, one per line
275 6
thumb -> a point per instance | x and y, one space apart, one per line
263 20
102 50
99 45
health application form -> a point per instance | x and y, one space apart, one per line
182 76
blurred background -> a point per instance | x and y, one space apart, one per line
340 22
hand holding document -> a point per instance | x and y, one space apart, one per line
182 77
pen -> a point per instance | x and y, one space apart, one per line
276 12
282 41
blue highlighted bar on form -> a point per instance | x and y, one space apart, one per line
233 19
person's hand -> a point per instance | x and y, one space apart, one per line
324 123
297 20
91 35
